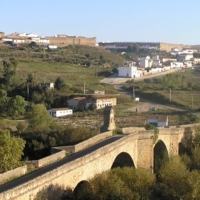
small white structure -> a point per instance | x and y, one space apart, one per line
145 62
156 70
129 71
44 41
137 99
176 64
159 121
60 112
31 35
52 46
47 85
188 63
7 39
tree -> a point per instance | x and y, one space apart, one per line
173 180
120 183
3 101
11 151
39 118
59 83
9 70
16 106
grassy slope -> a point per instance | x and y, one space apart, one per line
48 70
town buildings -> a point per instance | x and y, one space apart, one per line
51 41
97 102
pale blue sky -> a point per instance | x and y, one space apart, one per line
173 21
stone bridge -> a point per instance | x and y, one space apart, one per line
137 149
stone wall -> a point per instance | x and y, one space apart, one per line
130 130
13 173
85 144
47 160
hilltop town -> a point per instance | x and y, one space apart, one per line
53 42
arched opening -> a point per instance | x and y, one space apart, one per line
82 190
160 155
123 160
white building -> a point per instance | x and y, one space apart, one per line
145 62
129 71
52 46
31 35
176 65
35 39
184 57
159 121
43 41
156 60
18 41
22 34
7 39
156 70
60 112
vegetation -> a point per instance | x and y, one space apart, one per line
178 89
11 151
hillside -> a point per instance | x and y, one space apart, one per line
76 65
72 54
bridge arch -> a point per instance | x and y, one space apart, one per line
160 154
82 189
123 160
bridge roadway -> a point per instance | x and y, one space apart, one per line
59 163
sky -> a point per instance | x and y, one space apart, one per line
171 21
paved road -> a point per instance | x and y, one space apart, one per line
57 164
114 79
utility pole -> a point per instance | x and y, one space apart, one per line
133 96
84 88
192 101
170 94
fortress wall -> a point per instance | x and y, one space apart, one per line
13 173
167 46
65 41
